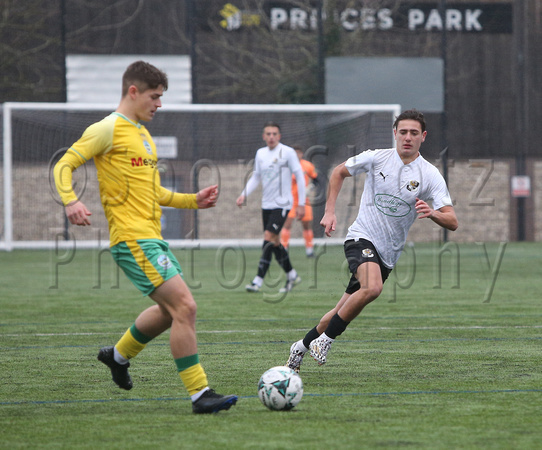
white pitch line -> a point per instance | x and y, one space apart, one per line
274 330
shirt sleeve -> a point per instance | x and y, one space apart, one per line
252 184
361 163
63 175
439 195
254 179
177 199
96 139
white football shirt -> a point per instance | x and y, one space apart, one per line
274 169
387 208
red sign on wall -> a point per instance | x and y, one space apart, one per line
521 186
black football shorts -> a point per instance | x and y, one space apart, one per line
273 219
358 252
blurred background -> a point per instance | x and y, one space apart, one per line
473 67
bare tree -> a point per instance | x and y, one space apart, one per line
31 57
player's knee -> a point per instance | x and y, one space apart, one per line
373 293
191 308
185 309
367 294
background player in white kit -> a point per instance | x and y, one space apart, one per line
398 185
273 168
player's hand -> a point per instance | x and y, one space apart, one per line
78 213
300 212
329 221
423 209
240 201
207 197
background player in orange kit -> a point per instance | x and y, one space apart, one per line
306 222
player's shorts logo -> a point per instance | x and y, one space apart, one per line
367 253
164 262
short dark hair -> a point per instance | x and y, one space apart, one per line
271 124
143 75
411 114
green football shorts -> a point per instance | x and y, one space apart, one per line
147 263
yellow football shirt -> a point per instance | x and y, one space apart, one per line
125 158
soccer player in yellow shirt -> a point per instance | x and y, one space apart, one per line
131 195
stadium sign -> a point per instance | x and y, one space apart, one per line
415 17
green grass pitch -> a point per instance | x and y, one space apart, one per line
448 357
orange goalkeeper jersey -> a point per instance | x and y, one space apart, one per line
310 173
130 190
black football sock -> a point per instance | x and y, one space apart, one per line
335 327
310 336
265 259
282 258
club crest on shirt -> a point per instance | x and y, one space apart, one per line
412 185
367 253
147 146
164 262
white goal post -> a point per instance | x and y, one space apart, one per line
200 144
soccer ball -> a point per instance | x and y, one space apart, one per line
280 388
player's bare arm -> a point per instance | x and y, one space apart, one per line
329 221
444 217
207 197
77 213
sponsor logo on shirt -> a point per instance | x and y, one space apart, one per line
391 206
144 162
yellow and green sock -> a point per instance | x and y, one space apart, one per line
131 343
192 374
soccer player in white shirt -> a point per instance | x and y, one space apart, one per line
273 168
398 185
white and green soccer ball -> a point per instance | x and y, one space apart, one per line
280 388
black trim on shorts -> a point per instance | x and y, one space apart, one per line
357 252
273 219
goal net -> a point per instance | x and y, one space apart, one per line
197 145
